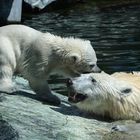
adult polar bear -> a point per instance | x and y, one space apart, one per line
36 55
115 96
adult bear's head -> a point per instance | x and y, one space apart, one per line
105 95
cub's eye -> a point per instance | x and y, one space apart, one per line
92 66
93 80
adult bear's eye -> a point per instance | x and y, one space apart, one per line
93 80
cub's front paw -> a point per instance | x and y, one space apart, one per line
8 88
49 98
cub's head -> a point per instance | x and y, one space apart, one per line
80 57
99 93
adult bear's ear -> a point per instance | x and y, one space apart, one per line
74 58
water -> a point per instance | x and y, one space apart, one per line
114 33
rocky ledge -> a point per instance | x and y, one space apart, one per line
23 117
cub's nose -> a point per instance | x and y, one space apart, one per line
69 82
96 69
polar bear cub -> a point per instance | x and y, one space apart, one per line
37 55
115 96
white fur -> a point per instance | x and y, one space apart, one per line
36 55
105 96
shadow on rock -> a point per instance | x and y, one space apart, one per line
25 93
7 132
67 109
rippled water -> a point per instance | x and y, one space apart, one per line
114 33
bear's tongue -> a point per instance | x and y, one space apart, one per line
76 97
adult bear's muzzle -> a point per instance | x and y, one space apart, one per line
73 96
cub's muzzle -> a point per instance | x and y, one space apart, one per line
93 69
96 69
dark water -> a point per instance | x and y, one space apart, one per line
114 33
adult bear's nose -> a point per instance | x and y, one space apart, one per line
69 82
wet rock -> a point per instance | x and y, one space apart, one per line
124 132
26 118
7 132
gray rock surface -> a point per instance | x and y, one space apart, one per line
23 117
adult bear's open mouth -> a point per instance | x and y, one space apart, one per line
75 97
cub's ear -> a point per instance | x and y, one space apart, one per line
74 58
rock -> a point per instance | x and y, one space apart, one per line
125 132
7 132
23 117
